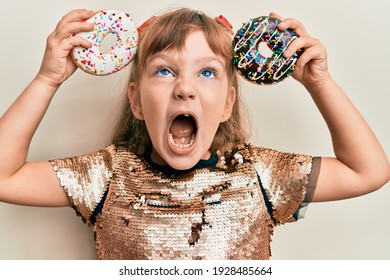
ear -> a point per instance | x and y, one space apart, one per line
230 100
135 101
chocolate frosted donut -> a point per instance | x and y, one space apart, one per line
247 58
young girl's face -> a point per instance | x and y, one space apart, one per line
184 96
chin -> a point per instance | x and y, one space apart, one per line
183 163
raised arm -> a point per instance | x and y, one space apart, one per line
360 165
34 183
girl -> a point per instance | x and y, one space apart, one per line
180 180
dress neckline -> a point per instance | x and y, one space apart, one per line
168 170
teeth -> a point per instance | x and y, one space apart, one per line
182 142
186 115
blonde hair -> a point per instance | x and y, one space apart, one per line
169 32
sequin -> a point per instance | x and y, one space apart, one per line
223 212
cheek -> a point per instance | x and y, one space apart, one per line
215 100
151 101
154 112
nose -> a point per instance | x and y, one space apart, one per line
185 89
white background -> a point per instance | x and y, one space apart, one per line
357 38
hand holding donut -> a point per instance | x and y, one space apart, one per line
57 64
311 68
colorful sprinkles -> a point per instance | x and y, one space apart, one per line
247 58
106 22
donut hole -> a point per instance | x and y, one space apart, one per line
108 42
264 49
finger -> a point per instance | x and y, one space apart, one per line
66 45
296 25
76 41
305 58
299 44
275 15
74 16
77 15
308 55
72 28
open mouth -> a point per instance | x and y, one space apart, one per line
182 132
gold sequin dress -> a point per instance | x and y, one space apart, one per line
223 208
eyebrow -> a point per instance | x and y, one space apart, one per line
166 56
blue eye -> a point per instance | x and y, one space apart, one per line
208 73
163 72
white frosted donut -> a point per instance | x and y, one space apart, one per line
106 22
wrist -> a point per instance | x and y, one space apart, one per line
320 85
46 84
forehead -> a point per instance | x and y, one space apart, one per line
195 47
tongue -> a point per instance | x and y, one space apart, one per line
182 129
